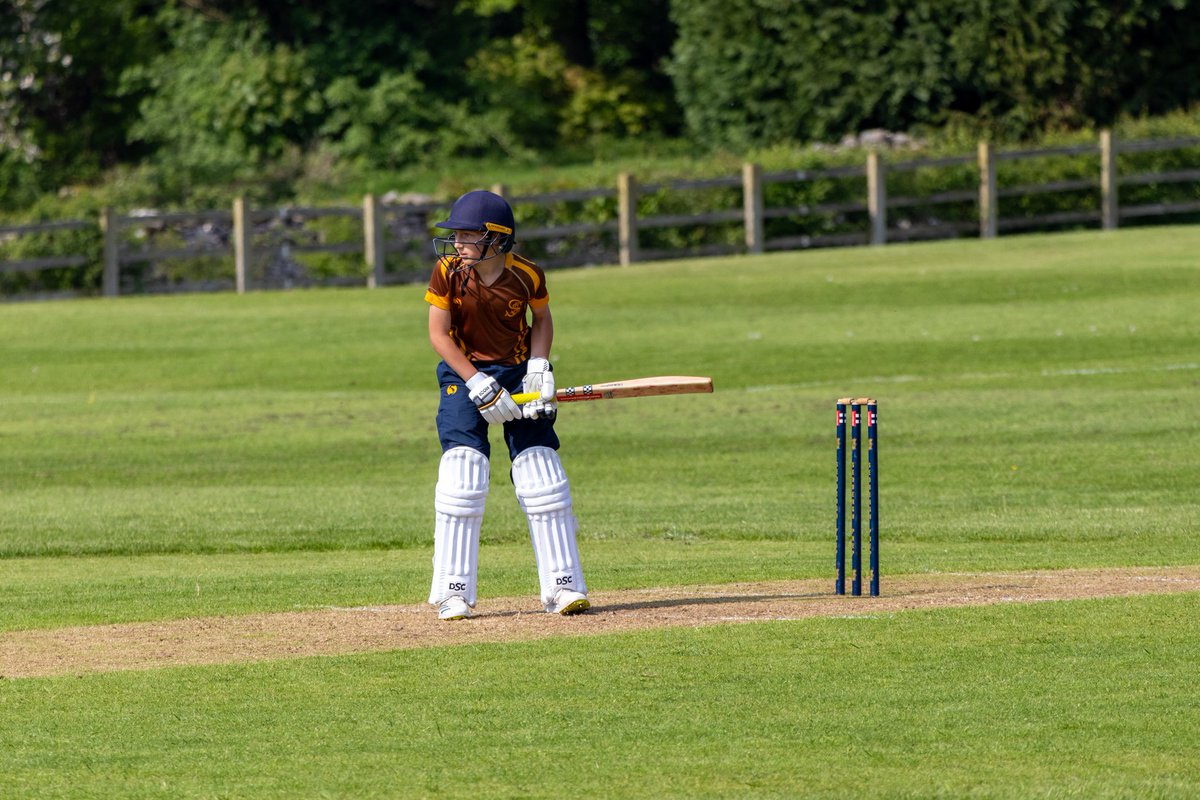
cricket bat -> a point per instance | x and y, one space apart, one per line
636 387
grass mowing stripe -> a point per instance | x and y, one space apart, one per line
975 376
1087 698
291 487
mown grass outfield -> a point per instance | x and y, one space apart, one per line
173 457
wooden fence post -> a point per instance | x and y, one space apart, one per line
374 248
1108 181
752 206
877 197
627 233
110 223
988 202
241 243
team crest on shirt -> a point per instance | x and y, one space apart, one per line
451 389
514 308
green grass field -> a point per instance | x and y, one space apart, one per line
172 457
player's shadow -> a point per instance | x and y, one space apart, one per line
642 605
677 602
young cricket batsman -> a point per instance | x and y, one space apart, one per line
489 320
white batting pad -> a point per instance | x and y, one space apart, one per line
462 489
545 496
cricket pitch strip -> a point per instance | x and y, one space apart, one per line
340 631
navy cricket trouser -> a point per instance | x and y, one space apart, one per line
460 424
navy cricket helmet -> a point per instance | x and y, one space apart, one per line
486 212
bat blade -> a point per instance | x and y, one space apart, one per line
635 387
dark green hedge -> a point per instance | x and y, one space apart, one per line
762 71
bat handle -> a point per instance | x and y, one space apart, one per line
525 397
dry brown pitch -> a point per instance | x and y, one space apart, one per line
335 631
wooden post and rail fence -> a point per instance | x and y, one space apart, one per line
375 218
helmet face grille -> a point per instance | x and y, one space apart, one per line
498 243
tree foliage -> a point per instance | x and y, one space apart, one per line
222 97
206 90
209 89
63 116
776 70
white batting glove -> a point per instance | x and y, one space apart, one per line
539 378
493 400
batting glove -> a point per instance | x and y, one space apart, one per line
539 377
493 400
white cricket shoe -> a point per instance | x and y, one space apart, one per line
567 602
454 607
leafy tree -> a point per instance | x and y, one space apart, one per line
366 39
508 76
774 70
398 121
223 98
197 91
1023 66
574 70
63 115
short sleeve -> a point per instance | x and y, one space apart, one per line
438 293
539 296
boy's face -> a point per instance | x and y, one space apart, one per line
470 245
